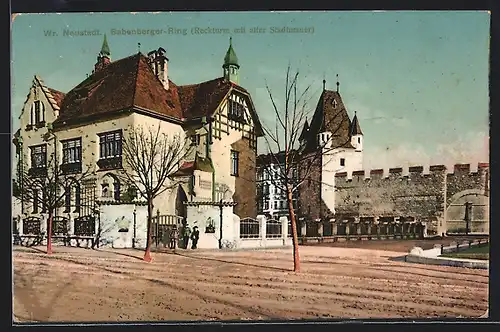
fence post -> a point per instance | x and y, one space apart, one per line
334 227
284 229
20 226
442 248
458 246
470 243
262 229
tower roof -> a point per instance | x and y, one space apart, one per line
105 47
305 131
231 58
355 127
330 115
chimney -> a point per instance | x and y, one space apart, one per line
159 64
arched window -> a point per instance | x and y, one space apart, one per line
37 112
110 187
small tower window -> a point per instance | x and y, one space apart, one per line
359 140
334 103
342 161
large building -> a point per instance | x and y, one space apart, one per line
87 126
271 194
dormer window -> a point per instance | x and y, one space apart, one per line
334 103
236 111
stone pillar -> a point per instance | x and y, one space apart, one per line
20 225
303 227
378 227
347 227
397 227
334 226
358 225
43 224
369 228
263 230
284 229
320 229
71 222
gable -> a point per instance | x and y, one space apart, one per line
50 101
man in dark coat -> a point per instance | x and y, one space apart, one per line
195 236
186 233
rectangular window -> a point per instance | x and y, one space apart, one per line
195 140
72 151
110 150
234 162
39 156
266 205
236 111
276 205
110 145
342 162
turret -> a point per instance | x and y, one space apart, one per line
356 134
231 67
104 56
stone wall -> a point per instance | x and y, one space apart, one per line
424 196
117 225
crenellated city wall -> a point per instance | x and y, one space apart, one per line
428 195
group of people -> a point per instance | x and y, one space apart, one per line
185 234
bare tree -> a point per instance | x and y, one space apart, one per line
151 157
294 162
47 183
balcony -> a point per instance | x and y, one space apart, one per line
72 168
37 172
110 163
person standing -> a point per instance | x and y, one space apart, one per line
186 233
195 236
174 235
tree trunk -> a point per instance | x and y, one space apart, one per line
49 233
295 238
149 238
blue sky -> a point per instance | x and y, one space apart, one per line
418 80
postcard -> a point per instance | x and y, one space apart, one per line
250 166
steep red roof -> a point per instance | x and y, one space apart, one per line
130 83
58 96
121 85
201 99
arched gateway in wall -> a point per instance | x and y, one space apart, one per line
470 204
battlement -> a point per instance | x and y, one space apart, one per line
412 171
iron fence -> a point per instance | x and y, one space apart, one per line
273 228
249 228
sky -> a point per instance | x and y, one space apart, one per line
417 80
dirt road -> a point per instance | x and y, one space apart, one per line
89 285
